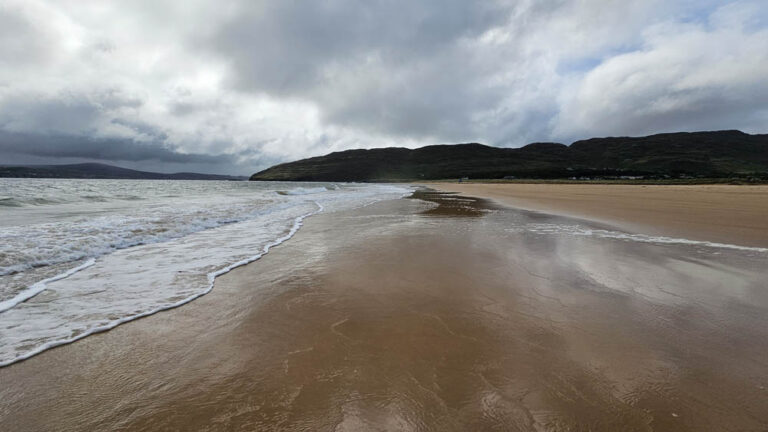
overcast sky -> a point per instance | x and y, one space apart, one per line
236 86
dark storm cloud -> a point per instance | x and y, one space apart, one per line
66 112
107 149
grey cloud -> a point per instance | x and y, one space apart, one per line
143 129
288 47
389 67
75 126
28 148
49 116
107 149
186 108
425 70
67 112
690 78
22 42
258 82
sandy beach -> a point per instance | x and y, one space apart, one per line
433 313
718 213
353 216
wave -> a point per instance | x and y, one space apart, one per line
305 191
47 244
144 259
17 202
39 287
9 202
297 223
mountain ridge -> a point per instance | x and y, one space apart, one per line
713 154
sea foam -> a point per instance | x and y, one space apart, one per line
147 273
577 230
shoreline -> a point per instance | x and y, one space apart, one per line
211 277
716 213
428 313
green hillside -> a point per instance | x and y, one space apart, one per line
721 154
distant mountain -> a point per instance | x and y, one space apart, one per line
721 154
101 171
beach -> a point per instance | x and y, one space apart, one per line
718 213
444 312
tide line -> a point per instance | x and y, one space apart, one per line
39 287
297 223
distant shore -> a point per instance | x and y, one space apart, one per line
716 213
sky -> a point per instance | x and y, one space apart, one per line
234 87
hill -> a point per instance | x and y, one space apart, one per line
720 154
100 171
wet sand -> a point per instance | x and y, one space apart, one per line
429 314
718 213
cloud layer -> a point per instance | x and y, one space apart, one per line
236 87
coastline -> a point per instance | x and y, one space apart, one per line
433 313
143 257
717 213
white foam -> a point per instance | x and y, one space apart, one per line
39 287
28 246
211 280
576 230
133 282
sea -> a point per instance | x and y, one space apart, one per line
79 257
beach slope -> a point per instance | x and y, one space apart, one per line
436 313
717 213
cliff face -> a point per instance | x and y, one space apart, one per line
704 154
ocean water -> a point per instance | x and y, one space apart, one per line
83 256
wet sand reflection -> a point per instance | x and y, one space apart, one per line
434 314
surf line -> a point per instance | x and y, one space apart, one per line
297 223
575 230
39 287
